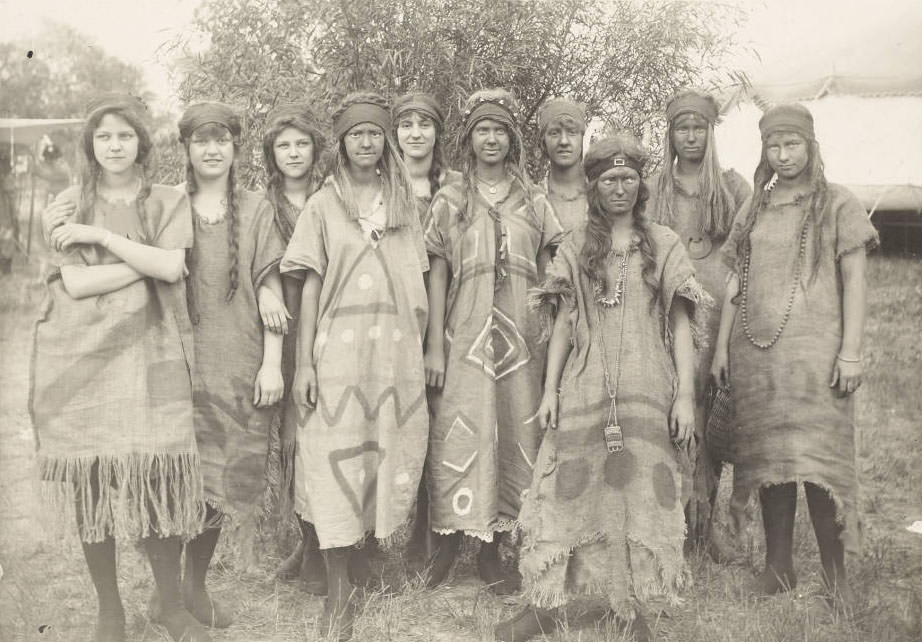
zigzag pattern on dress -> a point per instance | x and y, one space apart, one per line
370 411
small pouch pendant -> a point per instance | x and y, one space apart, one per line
614 439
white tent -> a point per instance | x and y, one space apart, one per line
28 131
869 130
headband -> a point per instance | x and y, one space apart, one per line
598 166
113 100
206 113
289 111
557 107
496 110
361 113
418 102
789 117
692 103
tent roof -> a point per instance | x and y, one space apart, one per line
30 130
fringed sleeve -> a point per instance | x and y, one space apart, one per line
558 287
728 250
678 280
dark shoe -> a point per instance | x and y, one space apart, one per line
290 568
525 624
499 580
772 580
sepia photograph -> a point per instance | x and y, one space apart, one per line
460 320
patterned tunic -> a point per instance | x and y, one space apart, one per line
232 434
594 522
360 453
111 390
793 426
485 435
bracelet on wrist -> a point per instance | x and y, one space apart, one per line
844 360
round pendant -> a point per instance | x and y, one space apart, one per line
492 189
699 248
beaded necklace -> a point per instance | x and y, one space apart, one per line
744 304
611 431
615 298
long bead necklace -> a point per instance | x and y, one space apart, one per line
601 297
744 304
611 432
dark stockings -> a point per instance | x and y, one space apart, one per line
164 555
526 624
490 567
779 504
337 611
446 550
828 538
100 560
199 551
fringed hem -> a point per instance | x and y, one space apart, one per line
692 290
501 526
545 301
128 496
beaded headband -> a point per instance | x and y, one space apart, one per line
498 109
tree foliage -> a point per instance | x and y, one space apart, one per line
65 70
622 58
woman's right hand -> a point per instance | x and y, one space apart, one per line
304 387
720 367
434 363
547 410
55 215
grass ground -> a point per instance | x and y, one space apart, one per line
46 595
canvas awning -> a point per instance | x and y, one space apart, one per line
28 131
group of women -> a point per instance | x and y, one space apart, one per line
497 355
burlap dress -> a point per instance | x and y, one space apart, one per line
605 524
360 453
111 391
570 212
232 434
485 434
711 271
792 425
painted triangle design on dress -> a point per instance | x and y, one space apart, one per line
499 348
368 287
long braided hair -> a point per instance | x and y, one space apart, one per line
275 179
515 158
398 192
764 179
715 200
232 196
597 245
92 171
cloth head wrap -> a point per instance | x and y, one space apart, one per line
116 100
361 113
499 110
557 107
613 152
289 111
419 102
205 113
694 104
790 117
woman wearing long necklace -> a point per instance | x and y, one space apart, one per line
698 199
562 125
603 515
790 346
489 235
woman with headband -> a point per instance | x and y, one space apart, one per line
111 396
359 381
790 346
292 145
562 125
603 515
488 237
237 374
698 199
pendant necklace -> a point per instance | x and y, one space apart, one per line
611 431
491 187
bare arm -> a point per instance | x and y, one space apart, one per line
271 303
847 370
558 349
304 387
682 415
720 366
434 357
81 281
543 258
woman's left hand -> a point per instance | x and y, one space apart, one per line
68 234
269 386
682 421
846 377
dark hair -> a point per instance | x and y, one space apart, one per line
92 170
597 244
275 179
435 169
